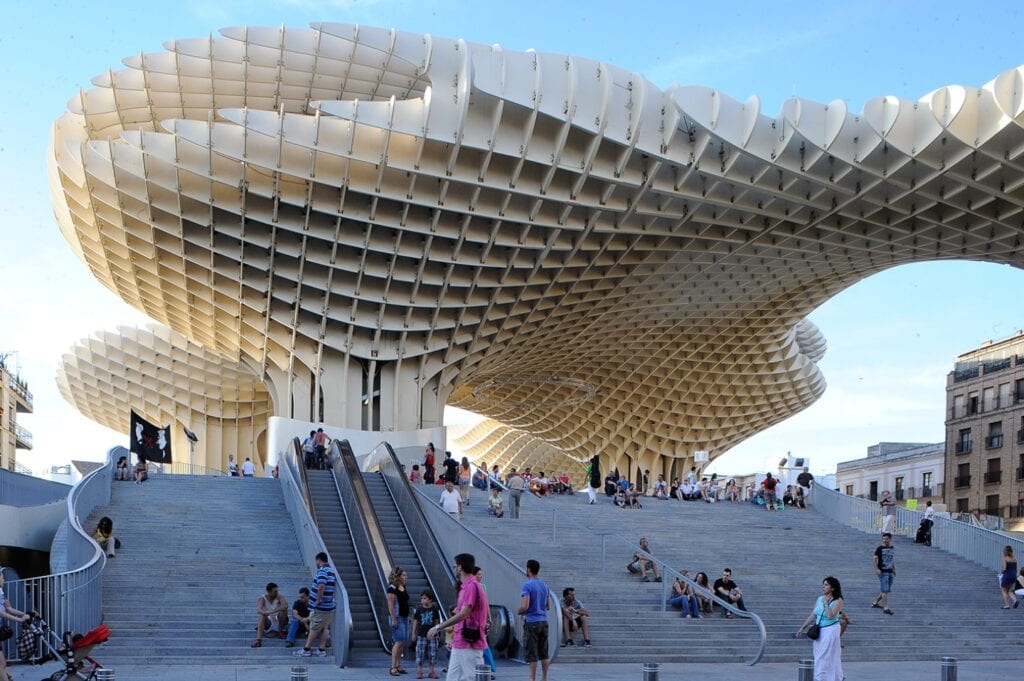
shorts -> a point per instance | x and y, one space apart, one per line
536 643
885 581
400 633
320 620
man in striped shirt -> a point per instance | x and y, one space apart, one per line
321 608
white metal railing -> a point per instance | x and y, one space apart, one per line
71 600
503 577
310 544
976 544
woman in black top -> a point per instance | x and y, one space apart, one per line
398 616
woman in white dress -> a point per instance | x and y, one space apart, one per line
828 663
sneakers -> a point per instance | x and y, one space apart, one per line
302 652
289 644
568 644
586 643
322 653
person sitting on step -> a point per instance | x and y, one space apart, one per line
642 562
299 624
574 618
272 609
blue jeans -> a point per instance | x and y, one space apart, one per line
293 629
489 660
689 605
885 582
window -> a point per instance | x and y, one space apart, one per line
995 435
899 488
1020 467
992 505
963 475
988 399
926 484
962 506
972 403
958 407
1019 389
1020 432
873 490
849 490
1004 395
993 472
963 443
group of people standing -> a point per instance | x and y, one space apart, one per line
468 623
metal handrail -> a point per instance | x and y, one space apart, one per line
182 468
71 600
301 478
312 543
976 544
504 575
367 537
668 570
438 571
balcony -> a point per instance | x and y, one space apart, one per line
962 481
993 477
994 441
22 438
20 389
963 447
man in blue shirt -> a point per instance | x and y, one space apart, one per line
534 607
321 604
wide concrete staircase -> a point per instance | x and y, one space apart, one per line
197 553
943 605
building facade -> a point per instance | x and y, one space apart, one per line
985 430
910 470
15 399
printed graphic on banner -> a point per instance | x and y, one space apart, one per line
150 442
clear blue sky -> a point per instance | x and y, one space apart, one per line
891 338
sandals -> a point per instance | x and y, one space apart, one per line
394 672
419 673
258 643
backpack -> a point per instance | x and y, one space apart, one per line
307 445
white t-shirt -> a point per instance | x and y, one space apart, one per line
248 468
929 513
450 501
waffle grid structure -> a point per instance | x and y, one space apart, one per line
168 379
547 240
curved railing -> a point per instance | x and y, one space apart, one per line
504 578
19 489
71 600
976 544
367 536
437 569
666 587
296 499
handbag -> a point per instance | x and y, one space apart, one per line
814 631
6 632
470 634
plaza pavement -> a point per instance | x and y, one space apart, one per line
1002 670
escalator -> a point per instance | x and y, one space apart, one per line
333 527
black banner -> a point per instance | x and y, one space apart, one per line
150 442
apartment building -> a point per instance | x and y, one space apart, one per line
910 470
985 430
14 399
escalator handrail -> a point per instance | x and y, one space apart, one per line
300 464
307 527
371 550
440 576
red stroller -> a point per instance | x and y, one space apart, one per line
71 649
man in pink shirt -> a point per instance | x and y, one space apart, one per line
470 619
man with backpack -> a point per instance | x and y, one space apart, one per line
769 485
309 449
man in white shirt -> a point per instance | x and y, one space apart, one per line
248 468
451 501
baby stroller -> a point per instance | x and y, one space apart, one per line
924 533
71 649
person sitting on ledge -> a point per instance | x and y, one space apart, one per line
272 609
633 497
141 471
480 479
660 489
104 536
564 483
495 506
642 562
121 472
